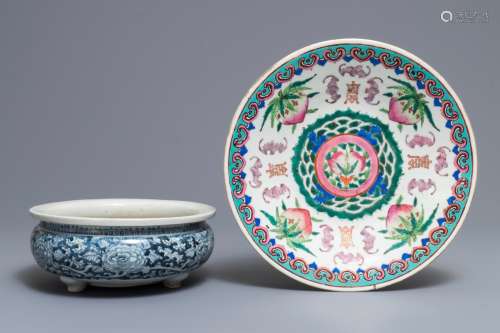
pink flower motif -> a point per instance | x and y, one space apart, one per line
360 158
331 162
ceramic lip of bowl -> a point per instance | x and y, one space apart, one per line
123 212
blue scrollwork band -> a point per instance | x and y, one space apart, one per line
121 253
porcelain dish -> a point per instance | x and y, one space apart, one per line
350 165
121 242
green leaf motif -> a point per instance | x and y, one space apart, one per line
403 231
411 229
429 116
302 82
301 246
396 246
281 103
282 107
269 110
429 221
403 83
413 221
271 218
412 98
352 168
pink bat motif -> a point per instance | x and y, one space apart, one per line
421 140
271 147
333 160
368 239
347 258
421 185
354 70
256 174
327 239
372 90
332 88
357 156
441 160
275 192
360 158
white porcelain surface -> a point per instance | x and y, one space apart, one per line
123 212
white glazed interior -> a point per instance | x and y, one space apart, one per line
123 212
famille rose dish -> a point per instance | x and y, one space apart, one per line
350 165
121 242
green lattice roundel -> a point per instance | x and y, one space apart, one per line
347 164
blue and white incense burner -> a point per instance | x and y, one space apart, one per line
121 242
